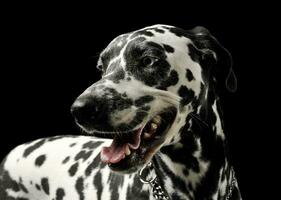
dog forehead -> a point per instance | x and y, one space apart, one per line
163 35
114 48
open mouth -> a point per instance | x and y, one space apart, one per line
131 149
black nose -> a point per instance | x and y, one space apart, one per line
84 110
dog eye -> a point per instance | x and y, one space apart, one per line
149 61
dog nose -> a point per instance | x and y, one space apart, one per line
84 110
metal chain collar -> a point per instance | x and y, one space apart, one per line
157 191
232 185
160 194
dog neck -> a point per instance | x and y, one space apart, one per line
197 165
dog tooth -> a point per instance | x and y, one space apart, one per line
157 119
154 126
127 151
146 135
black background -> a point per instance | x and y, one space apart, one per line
50 52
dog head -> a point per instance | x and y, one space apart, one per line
151 79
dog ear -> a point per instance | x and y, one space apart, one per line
212 52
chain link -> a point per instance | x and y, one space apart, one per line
232 185
157 191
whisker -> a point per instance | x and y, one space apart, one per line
198 119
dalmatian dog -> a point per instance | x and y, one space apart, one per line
153 127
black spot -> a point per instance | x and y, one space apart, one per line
91 145
168 48
45 185
186 94
55 138
194 53
22 187
115 181
7 183
79 186
134 192
142 32
176 196
148 33
40 160
60 194
38 187
212 149
184 155
19 198
159 30
65 160
189 75
61 137
177 31
73 169
185 172
143 100
145 108
84 155
98 184
13 185
156 46
33 147
72 145
93 165
176 180
172 79
201 97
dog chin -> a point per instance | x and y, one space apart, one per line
125 167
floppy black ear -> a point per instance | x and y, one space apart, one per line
213 53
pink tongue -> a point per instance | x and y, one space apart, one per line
116 151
